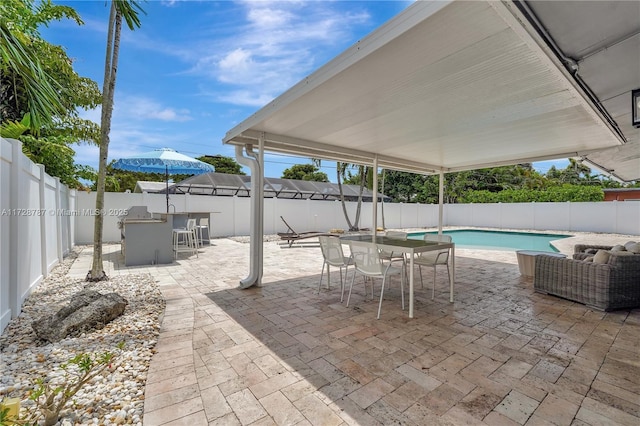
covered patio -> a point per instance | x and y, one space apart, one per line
283 354
448 86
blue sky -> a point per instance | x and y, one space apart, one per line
195 69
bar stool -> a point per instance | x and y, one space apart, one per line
185 240
203 223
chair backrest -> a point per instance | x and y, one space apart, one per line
441 238
203 221
396 235
289 228
443 255
366 257
331 248
191 223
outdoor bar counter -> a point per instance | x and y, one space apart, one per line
149 240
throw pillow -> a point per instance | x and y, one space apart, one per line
602 256
618 247
633 248
591 251
588 259
629 244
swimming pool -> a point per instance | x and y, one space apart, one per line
498 240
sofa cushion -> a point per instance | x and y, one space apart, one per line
618 247
588 259
591 251
624 253
602 256
633 248
629 244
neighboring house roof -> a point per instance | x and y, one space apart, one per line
145 186
222 184
622 194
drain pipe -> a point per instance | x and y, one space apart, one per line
256 217
440 201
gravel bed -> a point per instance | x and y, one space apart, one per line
113 398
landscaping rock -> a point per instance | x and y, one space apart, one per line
87 310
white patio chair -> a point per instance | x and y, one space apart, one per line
367 262
433 258
394 256
331 248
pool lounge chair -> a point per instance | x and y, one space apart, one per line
292 236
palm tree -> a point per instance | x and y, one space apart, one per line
127 9
41 89
341 174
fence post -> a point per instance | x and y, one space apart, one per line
58 217
71 202
233 214
42 187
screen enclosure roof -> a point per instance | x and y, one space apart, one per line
442 86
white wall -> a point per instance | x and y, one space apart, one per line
231 215
34 232
616 217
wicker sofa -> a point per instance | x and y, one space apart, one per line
603 286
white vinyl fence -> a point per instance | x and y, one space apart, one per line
230 215
35 230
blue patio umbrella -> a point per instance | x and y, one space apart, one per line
164 160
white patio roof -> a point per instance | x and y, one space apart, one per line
444 86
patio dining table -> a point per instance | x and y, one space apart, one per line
410 247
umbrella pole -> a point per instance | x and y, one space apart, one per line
166 179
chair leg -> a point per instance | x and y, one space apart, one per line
381 297
402 277
346 270
341 285
421 282
448 273
433 288
351 287
321 274
194 240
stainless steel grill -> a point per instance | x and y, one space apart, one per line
134 213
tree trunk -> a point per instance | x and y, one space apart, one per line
111 65
339 169
363 178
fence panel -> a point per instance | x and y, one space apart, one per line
6 163
232 214
32 240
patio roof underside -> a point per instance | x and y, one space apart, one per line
442 86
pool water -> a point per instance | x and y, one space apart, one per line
498 240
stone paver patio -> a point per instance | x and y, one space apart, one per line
283 354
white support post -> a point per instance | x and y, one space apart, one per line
374 197
440 201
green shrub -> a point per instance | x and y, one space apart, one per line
558 194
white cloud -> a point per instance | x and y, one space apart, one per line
276 47
144 108
245 97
